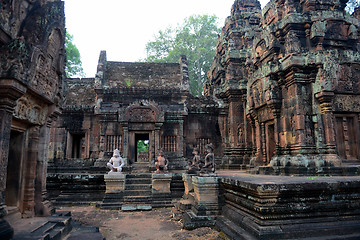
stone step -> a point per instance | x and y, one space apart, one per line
232 230
112 205
143 175
47 228
138 181
137 193
138 187
136 207
137 199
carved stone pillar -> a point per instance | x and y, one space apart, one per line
258 140
263 142
325 100
10 91
126 142
275 105
157 139
30 171
181 138
43 207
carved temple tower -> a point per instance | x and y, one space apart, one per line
290 84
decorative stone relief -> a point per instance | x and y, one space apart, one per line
30 110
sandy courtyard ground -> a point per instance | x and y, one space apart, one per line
147 225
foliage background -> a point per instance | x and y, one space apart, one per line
196 38
73 67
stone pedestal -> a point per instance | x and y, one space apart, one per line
114 194
115 182
161 193
206 202
206 193
189 187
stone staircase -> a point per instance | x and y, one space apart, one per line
56 227
137 193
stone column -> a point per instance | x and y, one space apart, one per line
157 139
126 142
325 100
258 142
181 138
30 171
263 143
10 91
43 207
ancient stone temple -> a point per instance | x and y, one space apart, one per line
289 77
124 104
282 98
128 102
31 72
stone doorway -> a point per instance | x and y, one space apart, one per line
75 145
347 136
14 169
270 141
142 147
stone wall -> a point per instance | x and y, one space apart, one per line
145 75
32 58
79 92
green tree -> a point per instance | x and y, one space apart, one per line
73 61
196 38
142 146
351 5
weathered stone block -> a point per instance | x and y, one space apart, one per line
187 178
115 182
206 190
161 183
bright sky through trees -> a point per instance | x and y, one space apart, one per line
123 28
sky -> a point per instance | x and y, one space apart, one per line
123 27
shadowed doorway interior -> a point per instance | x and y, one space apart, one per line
13 179
142 143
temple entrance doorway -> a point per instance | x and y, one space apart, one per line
14 167
142 146
347 137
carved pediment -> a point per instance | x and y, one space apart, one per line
142 111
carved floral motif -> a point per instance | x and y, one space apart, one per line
30 110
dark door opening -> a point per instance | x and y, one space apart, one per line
77 144
13 178
270 142
142 144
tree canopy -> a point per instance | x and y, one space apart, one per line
73 66
196 38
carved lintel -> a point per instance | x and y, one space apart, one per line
10 91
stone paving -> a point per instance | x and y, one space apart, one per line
147 225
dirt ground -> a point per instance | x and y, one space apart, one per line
147 225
